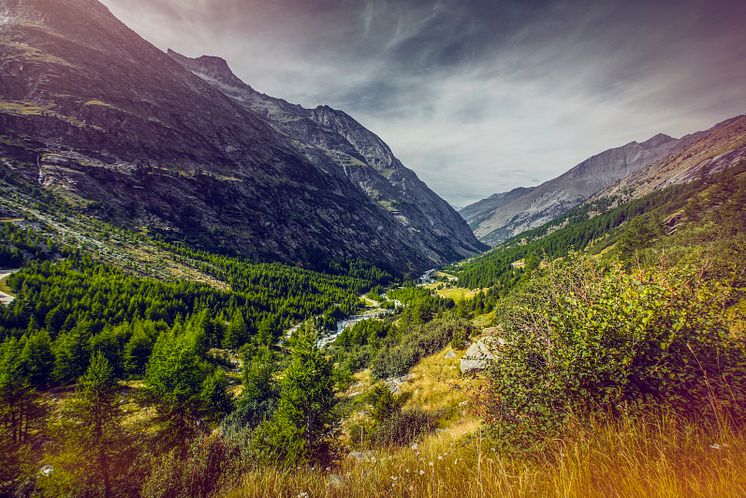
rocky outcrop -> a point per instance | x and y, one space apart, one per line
480 354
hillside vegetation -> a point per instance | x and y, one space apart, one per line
133 367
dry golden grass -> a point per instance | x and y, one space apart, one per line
484 321
436 385
5 288
654 458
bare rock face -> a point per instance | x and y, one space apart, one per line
91 112
502 216
332 139
701 153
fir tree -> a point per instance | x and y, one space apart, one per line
301 427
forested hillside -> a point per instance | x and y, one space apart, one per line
197 382
663 220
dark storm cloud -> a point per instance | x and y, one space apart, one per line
478 96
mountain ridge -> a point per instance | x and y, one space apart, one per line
495 221
702 153
95 114
326 135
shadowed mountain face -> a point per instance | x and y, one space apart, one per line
502 216
331 139
95 114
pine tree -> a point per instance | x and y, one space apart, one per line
137 350
258 398
70 355
37 358
20 410
300 429
237 331
92 457
174 377
99 413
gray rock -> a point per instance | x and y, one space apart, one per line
450 354
394 384
480 354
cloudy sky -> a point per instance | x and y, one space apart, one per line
478 96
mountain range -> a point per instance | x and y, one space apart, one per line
699 154
502 216
118 129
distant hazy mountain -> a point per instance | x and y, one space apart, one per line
96 115
502 216
476 213
706 152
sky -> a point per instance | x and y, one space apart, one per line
484 96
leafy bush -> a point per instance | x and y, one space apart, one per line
391 424
581 338
461 337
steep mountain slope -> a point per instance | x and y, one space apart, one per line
551 199
328 137
97 115
703 153
659 204
475 213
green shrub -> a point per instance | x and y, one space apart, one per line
390 423
460 339
581 338
418 342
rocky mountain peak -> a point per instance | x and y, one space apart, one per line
209 67
96 115
500 217
657 141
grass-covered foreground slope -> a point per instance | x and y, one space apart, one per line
620 370
132 367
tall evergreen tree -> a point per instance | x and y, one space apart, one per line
301 427
258 398
70 355
92 456
37 358
237 331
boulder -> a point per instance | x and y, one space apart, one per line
394 383
480 354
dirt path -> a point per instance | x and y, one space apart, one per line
5 297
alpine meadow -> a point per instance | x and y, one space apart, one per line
208 291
